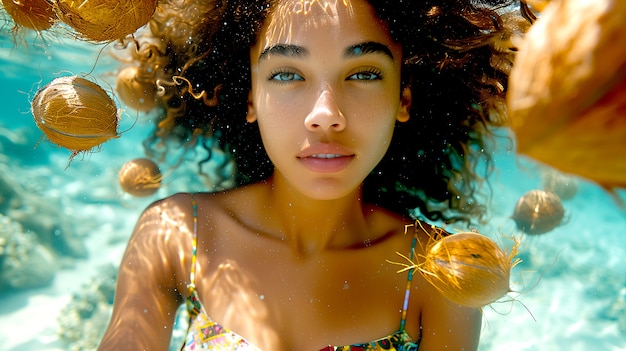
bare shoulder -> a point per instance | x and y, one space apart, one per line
390 225
152 277
241 206
162 232
168 219
231 199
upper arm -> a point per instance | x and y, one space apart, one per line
147 293
448 326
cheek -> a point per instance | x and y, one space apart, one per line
381 137
376 115
373 133
277 107
278 125
376 125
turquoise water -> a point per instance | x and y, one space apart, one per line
571 286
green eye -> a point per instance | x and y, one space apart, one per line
285 76
366 75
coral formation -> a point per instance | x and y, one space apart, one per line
34 235
40 216
24 262
83 320
617 311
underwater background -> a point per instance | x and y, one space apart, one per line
64 226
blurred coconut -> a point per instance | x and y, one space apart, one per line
136 91
562 185
105 20
468 268
538 212
75 113
567 90
140 177
33 14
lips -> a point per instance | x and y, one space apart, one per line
325 157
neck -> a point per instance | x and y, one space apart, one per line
313 225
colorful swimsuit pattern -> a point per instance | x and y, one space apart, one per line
205 334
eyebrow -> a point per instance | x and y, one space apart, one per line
288 50
368 47
284 50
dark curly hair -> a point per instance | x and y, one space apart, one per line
457 56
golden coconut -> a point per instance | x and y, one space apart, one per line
468 268
33 14
136 91
140 177
567 90
75 113
105 20
538 212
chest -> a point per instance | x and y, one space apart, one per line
279 301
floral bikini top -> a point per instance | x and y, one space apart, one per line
205 334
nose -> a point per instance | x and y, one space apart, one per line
325 114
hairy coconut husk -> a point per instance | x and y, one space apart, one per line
105 20
32 14
75 113
468 268
140 177
567 90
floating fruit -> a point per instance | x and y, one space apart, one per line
140 177
538 212
567 90
135 90
105 20
33 14
75 113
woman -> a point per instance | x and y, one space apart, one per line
295 256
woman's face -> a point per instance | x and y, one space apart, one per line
326 93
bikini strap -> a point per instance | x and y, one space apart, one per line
194 307
407 293
194 246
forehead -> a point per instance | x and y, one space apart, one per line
292 21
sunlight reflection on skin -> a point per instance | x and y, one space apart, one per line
232 290
223 282
149 257
321 12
